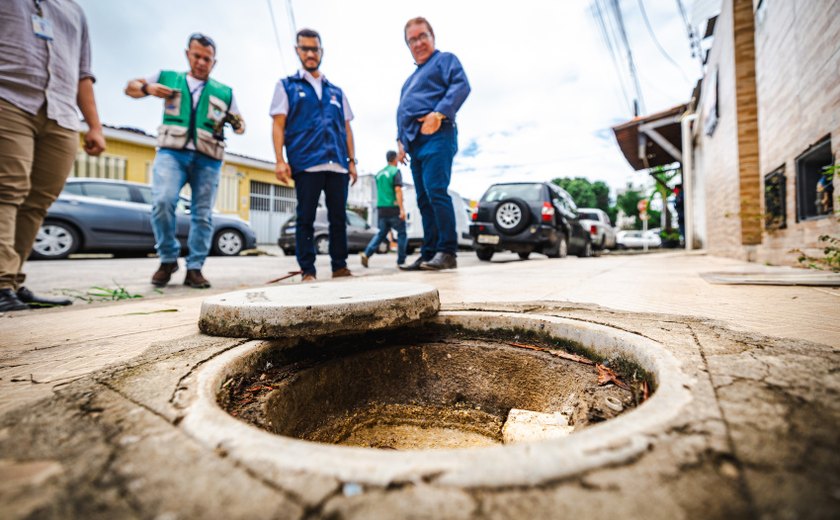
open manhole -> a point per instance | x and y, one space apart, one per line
470 399
433 386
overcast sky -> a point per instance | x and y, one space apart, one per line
544 89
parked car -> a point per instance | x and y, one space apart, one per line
414 222
635 239
107 216
527 217
597 222
359 234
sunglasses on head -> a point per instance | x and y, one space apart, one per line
205 41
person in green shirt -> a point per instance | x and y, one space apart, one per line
390 210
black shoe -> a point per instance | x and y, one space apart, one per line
196 280
34 301
164 273
440 261
414 266
9 301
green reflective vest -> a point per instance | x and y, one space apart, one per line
204 126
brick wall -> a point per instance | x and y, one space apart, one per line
772 108
716 156
798 78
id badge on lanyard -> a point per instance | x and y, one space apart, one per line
42 27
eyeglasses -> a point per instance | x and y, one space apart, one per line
423 37
304 49
205 41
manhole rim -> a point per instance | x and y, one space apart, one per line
524 464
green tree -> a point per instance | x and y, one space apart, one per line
580 189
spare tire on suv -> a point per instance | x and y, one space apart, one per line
512 216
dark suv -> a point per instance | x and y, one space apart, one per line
526 217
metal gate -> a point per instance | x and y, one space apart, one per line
271 207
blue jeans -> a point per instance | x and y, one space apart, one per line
172 170
385 224
431 168
308 188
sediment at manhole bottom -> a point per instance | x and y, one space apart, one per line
429 387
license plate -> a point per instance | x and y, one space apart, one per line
488 239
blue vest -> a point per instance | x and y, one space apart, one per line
315 132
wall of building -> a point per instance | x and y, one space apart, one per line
135 152
777 88
798 79
716 155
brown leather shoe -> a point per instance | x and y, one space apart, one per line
341 273
308 277
164 273
196 280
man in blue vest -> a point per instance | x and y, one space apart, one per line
191 148
426 130
312 121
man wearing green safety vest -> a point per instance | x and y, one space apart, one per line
390 210
191 146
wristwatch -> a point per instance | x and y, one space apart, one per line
145 89
353 160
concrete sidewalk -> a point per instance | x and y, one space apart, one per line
781 339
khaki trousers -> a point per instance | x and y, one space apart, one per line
36 156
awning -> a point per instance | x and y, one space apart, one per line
653 140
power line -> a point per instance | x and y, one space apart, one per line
598 16
291 10
276 34
656 41
693 40
631 63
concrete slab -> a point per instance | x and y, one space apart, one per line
317 309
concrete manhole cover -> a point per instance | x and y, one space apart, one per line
311 310
421 394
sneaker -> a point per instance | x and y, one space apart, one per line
341 273
196 280
35 301
164 273
308 277
440 261
414 266
9 301
364 259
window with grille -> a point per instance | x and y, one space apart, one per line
774 200
271 197
814 185
102 167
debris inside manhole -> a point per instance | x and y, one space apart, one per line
432 387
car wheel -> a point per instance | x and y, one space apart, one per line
383 247
55 240
484 253
524 255
512 216
560 249
586 252
228 242
322 245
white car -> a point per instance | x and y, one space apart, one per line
597 223
635 239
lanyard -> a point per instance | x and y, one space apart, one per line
38 8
